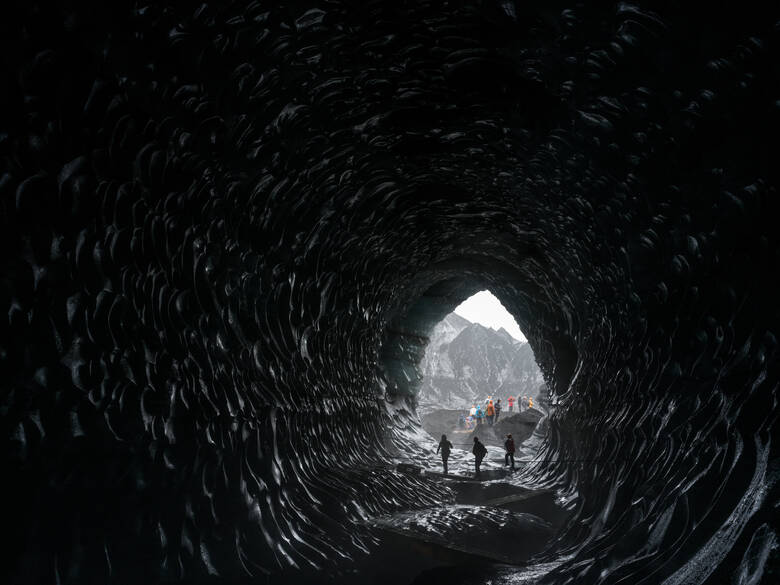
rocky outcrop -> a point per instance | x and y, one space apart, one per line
445 422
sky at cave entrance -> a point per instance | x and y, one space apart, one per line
487 310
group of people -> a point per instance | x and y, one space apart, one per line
523 402
490 412
479 450
475 417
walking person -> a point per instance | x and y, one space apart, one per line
509 445
490 412
445 446
479 451
511 401
480 415
498 410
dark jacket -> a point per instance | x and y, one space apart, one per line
509 445
445 447
479 450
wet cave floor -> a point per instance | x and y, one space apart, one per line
492 529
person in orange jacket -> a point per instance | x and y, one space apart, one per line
490 412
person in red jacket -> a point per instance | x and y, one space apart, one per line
511 401
509 445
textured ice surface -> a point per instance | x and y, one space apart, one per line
492 531
226 232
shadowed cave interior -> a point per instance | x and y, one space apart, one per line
227 231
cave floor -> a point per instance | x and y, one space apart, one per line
492 530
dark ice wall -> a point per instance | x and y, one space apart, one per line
226 231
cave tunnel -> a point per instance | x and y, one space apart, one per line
228 228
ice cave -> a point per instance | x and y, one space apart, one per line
228 230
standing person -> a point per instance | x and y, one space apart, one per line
479 416
509 445
530 403
473 411
479 451
445 447
511 401
490 412
498 410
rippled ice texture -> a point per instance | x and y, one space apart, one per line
227 230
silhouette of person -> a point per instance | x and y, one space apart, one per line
497 408
509 445
479 451
445 447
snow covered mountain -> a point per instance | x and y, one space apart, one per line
466 362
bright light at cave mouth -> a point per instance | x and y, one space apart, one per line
487 310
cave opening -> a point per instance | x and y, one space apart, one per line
498 504
479 377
